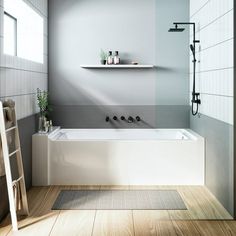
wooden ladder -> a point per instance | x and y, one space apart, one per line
6 157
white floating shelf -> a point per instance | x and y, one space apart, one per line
117 66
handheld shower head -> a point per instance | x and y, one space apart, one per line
193 50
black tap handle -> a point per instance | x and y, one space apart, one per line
107 119
130 119
115 118
122 118
138 118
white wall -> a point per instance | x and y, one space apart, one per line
79 29
214 21
19 78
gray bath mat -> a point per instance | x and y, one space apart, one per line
119 200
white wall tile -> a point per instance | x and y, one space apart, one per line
195 6
19 78
217 57
1 21
218 107
16 82
217 32
211 11
219 82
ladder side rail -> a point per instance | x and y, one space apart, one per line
25 209
7 165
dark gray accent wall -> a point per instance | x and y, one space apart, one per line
219 172
94 116
4 208
139 30
27 127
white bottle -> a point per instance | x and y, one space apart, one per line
110 58
116 58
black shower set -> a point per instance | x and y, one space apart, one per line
130 119
195 96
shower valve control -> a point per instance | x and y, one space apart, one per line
107 119
196 99
115 118
138 118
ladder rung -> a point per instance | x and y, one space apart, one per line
10 129
13 153
5 108
17 180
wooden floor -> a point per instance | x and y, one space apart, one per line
205 216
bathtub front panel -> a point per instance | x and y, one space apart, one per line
120 162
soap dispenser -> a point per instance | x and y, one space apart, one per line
110 58
116 58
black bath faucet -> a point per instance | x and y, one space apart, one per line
122 118
130 119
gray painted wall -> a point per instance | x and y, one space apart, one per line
219 172
139 30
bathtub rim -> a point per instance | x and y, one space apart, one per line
192 136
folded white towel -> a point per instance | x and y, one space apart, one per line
9 115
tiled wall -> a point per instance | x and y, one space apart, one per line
19 78
214 79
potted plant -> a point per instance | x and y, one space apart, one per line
42 99
103 57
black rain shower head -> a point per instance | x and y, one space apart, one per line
176 29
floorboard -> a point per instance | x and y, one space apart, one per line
152 223
74 223
119 223
204 216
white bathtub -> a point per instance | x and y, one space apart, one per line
125 157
